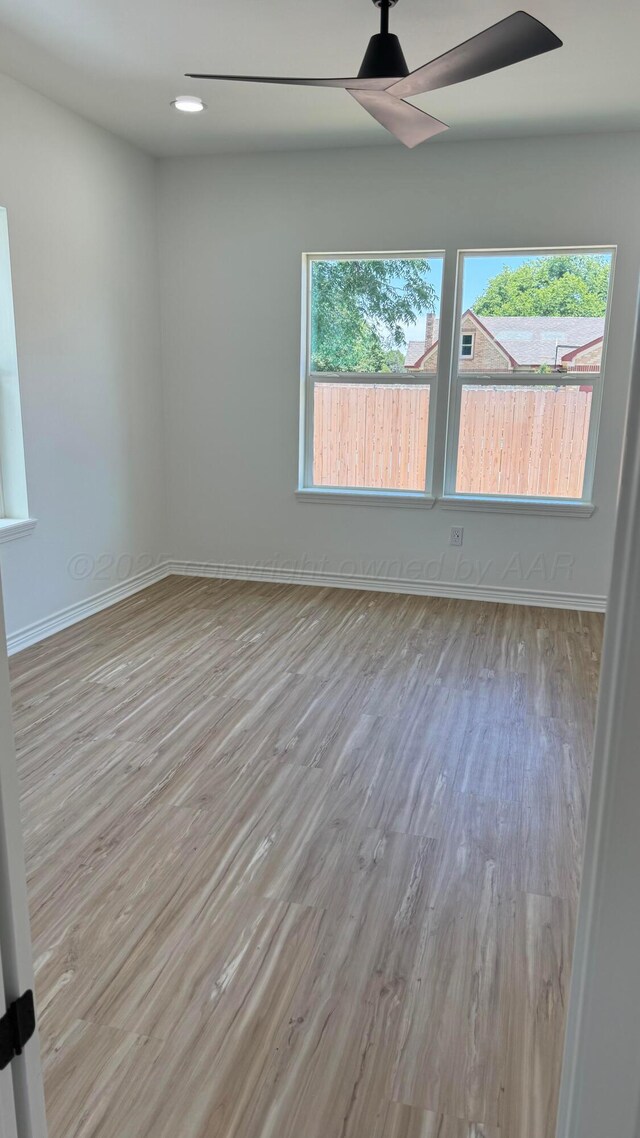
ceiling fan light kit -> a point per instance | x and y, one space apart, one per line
384 80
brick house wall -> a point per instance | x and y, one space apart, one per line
590 357
430 361
487 356
495 346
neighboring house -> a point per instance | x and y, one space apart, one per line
516 343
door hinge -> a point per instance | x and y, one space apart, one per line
16 1027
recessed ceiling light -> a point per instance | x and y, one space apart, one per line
189 104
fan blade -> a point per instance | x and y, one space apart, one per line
513 39
409 124
348 84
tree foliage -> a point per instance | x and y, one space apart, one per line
563 285
359 310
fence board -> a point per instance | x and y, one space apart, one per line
512 440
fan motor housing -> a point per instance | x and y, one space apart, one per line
384 58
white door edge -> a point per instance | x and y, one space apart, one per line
25 1071
600 1088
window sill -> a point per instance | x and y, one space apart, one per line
553 507
12 528
550 507
330 497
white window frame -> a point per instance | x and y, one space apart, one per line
471 336
14 507
445 391
307 491
577 506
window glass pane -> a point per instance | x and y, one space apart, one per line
370 435
529 441
535 312
375 315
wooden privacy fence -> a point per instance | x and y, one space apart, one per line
513 440
523 440
370 435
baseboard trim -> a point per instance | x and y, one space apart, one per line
454 590
64 618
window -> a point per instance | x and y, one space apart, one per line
466 345
14 511
372 332
525 395
516 423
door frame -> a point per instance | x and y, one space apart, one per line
15 932
600 1087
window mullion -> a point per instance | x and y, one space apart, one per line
444 394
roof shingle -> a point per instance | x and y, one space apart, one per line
535 339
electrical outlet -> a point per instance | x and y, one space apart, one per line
456 535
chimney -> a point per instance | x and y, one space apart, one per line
429 331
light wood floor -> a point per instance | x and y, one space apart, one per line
304 863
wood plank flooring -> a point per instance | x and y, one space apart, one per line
304 863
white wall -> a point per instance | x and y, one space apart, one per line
84 245
232 233
82 231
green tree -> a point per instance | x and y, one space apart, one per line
564 285
359 310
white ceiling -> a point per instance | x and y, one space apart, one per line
120 62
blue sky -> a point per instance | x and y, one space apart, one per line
478 271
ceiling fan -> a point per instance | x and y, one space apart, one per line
384 80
